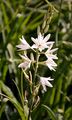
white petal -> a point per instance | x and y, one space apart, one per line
49 43
23 41
34 40
25 58
47 38
50 47
51 56
51 64
53 50
23 65
34 46
23 47
48 84
40 37
50 79
44 88
45 82
50 67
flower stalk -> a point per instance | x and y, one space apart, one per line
40 47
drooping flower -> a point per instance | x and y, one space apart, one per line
24 45
44 81
41 42
26 62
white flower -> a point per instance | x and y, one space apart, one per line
49 53
50 64
41 42
45 82
24 45
26 63
50 58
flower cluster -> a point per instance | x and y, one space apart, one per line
41 45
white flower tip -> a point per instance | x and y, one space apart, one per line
17 46
20 39
32 38
22 36
19 66
51 85
49 36
53 69
39 33
50 79
56 48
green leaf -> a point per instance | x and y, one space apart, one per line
5 17
68 113
2 108
26 20
50 112
12 99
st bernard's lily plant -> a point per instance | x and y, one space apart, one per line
31 54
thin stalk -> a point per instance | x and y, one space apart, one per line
36 67
57 30
22 90
33 85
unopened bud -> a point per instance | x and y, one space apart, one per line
44 24
27 77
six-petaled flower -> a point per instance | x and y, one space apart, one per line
44 81
41 43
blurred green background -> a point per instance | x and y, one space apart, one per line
23 17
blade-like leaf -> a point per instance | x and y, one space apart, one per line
12 99
50 112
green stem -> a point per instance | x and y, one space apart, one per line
22 90
33 85
36 67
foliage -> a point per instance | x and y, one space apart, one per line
23 17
